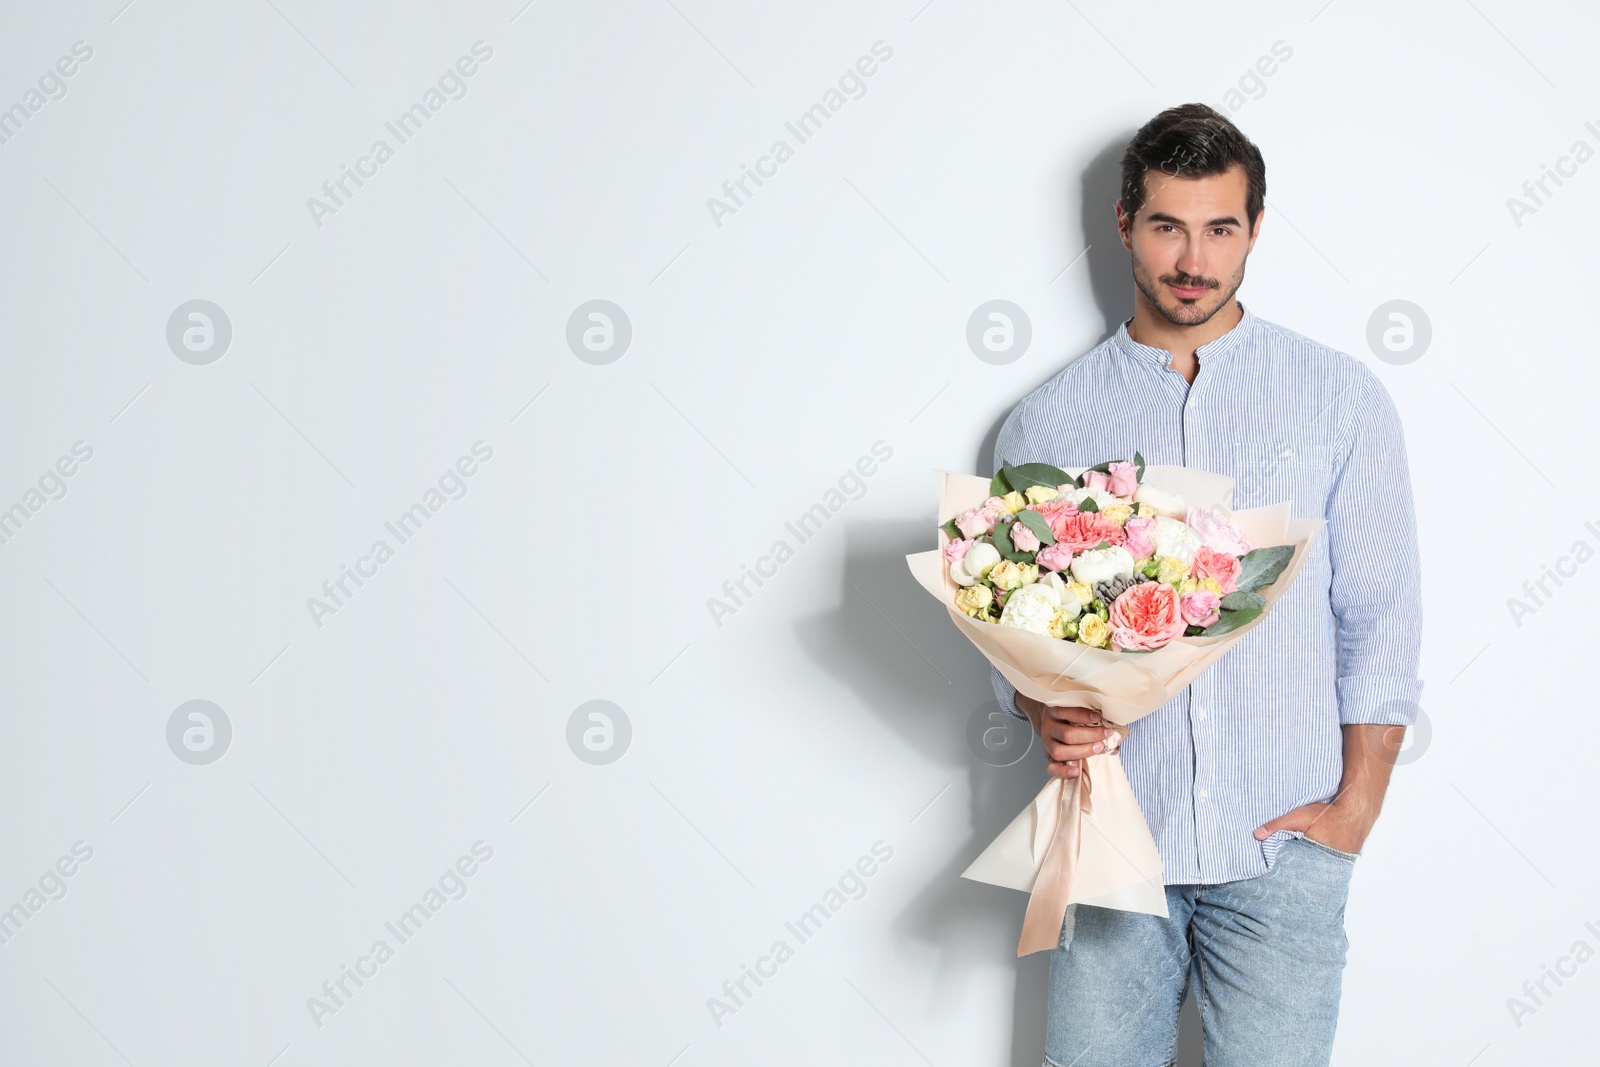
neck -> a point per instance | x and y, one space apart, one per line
1150 327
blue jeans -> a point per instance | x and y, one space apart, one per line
1267 955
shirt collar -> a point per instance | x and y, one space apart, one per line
1211 350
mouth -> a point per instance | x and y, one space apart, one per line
1189 293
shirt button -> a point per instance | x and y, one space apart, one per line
1203 794
1189 403
1199 713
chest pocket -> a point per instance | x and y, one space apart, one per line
1266 472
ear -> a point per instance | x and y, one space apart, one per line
1124 226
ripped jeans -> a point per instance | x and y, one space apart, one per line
1267 955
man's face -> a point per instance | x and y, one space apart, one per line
1189 243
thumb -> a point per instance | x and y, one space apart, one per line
1298 819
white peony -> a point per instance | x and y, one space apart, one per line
959 574
1030 608
980 557
1099 564
1069 599
1174 538
1160 501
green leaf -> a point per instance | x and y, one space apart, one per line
1262 566
1088 504
998 486
1230 622
951 529
1035 522
1138 461
1238 601
1033 474
1004 545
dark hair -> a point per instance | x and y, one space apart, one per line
1191 141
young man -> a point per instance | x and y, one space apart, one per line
1261 781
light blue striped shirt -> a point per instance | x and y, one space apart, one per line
1289 419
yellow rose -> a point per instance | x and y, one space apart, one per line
1118 513
1145 510
1064 626
1007 574
1094 631
1210 585
1013 502
974 600
1171 569
1038 494
1030 573
1188 585
1082 591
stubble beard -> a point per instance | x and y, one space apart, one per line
1180 312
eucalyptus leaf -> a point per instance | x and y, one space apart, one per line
1138 462
1241 599
1231 621
953 530
1002 542
997 485
1262 566
1035 522
1088 504
1033 474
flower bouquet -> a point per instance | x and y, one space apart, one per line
1110 587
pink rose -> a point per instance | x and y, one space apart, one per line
957 549
1141 543
1085 529
1121 479
1023 538
1124 478
1146 616
975 522
1056 557
1217 531
1209 563
1200 608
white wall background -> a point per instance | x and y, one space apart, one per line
829 312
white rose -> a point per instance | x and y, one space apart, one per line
1174 538
980 557
1161 501
1029 608
1099 564
959 574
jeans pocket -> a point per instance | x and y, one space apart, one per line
1329 849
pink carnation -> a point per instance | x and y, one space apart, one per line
1056 557
1146 616
1085 529
1209 563
957 549
1200 608
1141 543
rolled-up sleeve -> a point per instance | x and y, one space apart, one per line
1009 447
1376 585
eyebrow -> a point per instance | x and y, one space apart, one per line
1226 220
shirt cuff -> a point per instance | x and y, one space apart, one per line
1005 694
1382 700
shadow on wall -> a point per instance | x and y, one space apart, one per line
893 646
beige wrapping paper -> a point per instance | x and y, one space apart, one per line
1084 840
